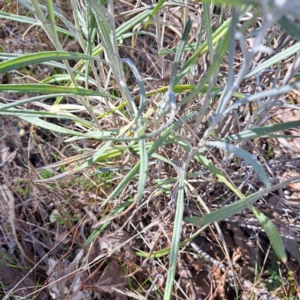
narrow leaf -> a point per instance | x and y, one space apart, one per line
227 211
175 237
143 169
284 54
47 89
41 57
157 7
246 156
272 234
179 53
255 133
289 26
31 21
50 126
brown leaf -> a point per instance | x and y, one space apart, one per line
113 277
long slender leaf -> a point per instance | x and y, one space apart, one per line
179 53
218 34
54 64
175 236
212 69
157 7
272 234
41 57
116 211
29 100
202 48
31 21
275 59
47 89
143 169
39 114
49 126
227 211
246 156
260 132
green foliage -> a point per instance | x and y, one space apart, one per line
189 112
46 174
274 281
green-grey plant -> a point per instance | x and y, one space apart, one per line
149 128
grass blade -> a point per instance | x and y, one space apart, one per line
143 169
272 234
246 156
41 57
217 35
275 59
31 21
157 7
260 132
178 54
47 89
227 211
175 236
50 126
